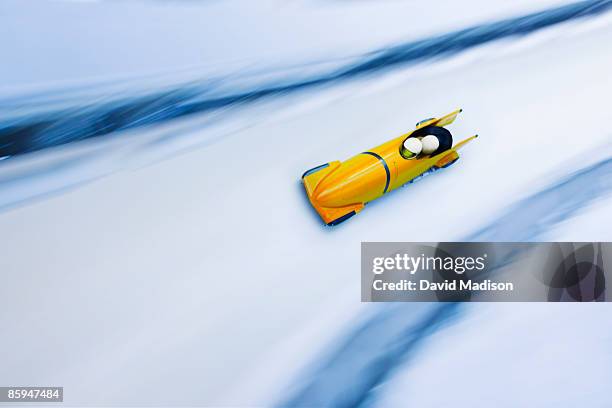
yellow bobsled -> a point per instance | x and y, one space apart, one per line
339 190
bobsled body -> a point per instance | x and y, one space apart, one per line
339 190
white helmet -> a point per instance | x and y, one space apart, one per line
430 144
412 147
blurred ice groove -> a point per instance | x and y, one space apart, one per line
55 120
354 374
529 219
370 355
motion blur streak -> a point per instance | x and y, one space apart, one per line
529 219
355 371
22 133
371 354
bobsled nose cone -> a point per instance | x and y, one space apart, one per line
329 194
325 196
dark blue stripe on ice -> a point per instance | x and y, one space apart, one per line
60 126
384 163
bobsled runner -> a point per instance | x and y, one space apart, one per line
338 190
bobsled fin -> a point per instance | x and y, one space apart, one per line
443 121
450 156
448 119
464 142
